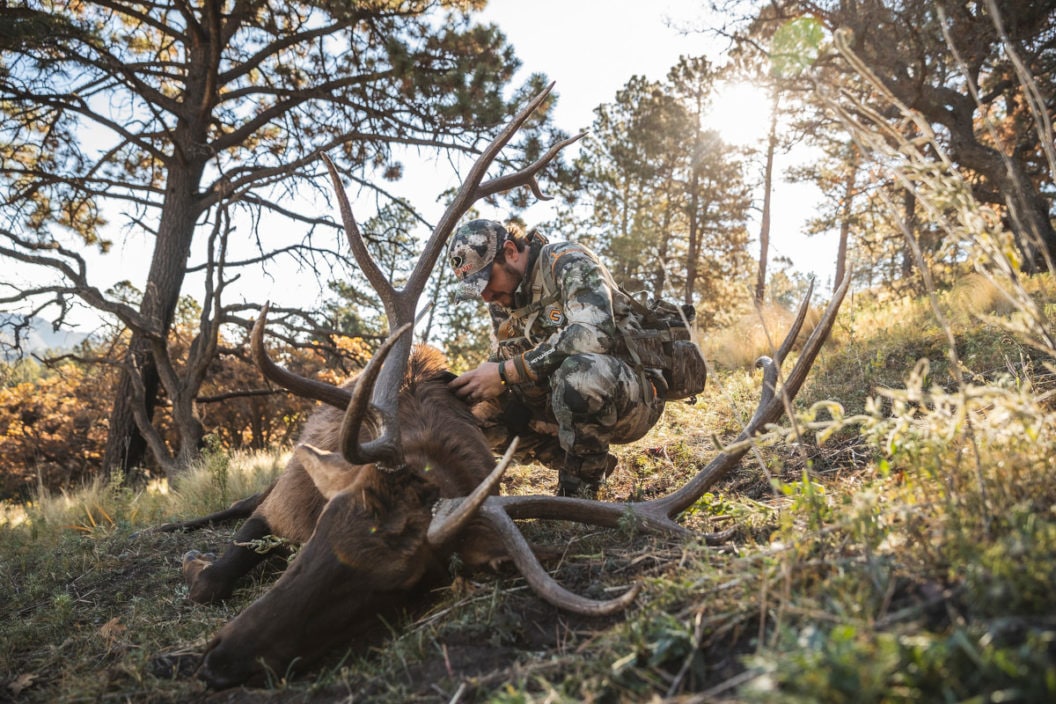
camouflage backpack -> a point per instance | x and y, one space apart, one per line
656 336
665 342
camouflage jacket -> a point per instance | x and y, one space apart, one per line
567 303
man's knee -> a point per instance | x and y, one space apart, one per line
583 384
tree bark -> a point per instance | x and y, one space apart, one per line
663 249
182 204
1028 208
693 250
125 446
846 213
909 214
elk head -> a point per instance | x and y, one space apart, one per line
367 557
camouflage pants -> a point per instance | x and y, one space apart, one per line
590 402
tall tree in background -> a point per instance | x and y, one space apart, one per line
627 171
759 295
715 197
771 55
172 115
716 201
665 199
953 63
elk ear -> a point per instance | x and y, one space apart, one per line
329 470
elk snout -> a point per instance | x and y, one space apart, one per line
222 667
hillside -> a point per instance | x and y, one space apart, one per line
37 338
897 543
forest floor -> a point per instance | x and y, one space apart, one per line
900 545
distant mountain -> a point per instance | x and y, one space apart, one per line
39 337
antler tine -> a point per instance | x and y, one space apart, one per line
299 385
772 366
451 515
771 406
795 378
399 308
471 190
526 176
385 449
542 583
355 240
797 325
771 370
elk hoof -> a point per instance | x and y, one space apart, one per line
193 556
197 574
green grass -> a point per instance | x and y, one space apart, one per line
909 557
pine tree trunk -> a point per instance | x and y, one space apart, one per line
846 212
1028 209
768 186
909 215
693 250
125 446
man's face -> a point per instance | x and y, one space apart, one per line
503 282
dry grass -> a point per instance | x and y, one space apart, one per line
755 334
908 557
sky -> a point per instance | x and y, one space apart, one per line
590 48
592 54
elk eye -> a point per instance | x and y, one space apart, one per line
456 261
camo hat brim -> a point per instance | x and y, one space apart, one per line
471 287
472 254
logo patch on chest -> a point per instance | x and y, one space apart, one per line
553 315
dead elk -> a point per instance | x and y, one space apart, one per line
363 530
377 536
393 477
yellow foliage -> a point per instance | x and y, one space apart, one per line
52 430
753 335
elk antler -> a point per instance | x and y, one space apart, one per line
353 402
657 515
357 411
301 386
451 515
400 304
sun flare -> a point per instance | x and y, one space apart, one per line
740 113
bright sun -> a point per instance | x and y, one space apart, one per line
740 112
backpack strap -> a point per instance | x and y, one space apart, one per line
544 285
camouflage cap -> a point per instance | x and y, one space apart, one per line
471 253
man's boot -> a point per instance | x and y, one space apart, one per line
582 475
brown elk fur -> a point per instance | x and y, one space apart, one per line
364 543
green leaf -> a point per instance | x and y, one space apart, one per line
795 47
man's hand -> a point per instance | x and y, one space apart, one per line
478 384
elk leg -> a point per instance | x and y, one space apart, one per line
240 509
209 579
